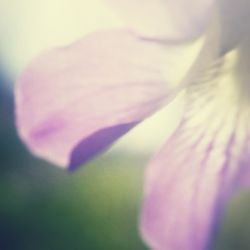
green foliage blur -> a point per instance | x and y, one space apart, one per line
43 207
97 207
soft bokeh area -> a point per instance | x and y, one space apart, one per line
43 207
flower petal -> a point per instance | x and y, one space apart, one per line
74 102
181 200
192 178
165 19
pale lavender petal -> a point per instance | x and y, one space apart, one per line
201 166
242 149
243 176
183 198
74 102
165 19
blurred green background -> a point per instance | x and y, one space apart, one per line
95 208
43 207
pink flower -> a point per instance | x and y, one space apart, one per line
72 103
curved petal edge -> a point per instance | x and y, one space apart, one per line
74 102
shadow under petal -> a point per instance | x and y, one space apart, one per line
96 143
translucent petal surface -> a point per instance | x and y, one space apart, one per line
188 183
73 102
165 19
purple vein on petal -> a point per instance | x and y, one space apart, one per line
190 181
